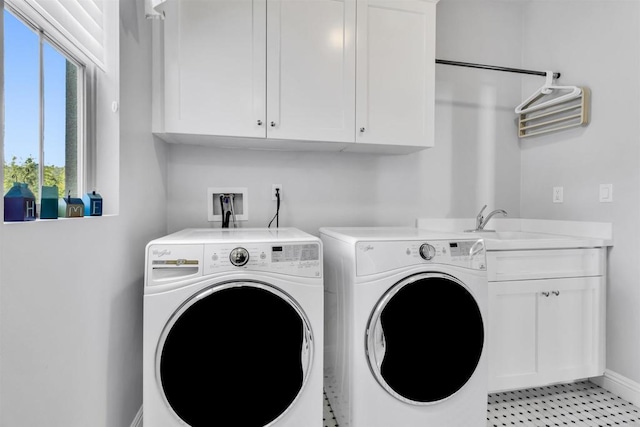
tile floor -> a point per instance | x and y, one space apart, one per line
327 416
578 404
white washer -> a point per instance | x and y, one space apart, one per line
405 311
233 329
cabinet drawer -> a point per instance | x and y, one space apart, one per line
543 264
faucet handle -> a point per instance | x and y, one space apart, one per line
479 218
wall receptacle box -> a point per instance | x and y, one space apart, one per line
239 196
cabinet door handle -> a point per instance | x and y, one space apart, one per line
362 130
273 124
259 122
545 294
556 293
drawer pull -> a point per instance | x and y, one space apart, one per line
556 293
545 294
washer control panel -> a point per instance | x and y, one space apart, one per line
296 259
376 257
170 263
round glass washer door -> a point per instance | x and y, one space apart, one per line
235 354
425 338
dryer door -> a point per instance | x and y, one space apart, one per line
236 354
425 338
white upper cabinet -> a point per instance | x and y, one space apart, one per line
311 69
396 72
215 60
298 70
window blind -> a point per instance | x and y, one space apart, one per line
81 21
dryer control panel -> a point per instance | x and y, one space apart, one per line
378 256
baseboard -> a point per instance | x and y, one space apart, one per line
137 421
620 386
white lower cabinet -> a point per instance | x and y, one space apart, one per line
545 329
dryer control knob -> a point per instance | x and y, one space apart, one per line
427 251
239 257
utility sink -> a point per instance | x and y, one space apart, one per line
512 235
524 240
515 234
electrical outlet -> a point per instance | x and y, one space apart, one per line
275 187
558 194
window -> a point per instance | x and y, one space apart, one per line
61 78
44 93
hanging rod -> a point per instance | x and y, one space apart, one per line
495 68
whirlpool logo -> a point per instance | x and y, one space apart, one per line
366 248
161 252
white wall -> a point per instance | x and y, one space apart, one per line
71 293
473 130
596 44
71 290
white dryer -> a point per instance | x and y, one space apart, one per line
233 329
405 316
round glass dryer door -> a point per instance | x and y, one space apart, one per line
236 354
425 338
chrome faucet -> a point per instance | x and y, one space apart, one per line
481 221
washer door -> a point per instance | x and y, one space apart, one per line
425 338
236 354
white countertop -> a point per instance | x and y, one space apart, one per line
525 234
357 234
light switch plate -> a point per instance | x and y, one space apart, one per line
606 193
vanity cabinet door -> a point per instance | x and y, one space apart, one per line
512 334
572 329
215 59
545 331
395 72
311 70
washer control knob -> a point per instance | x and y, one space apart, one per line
239 257
427 251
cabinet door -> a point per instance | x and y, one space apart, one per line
512 334
545 331
215 67
572 329
395 72
311 70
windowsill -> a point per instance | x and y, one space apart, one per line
38 220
